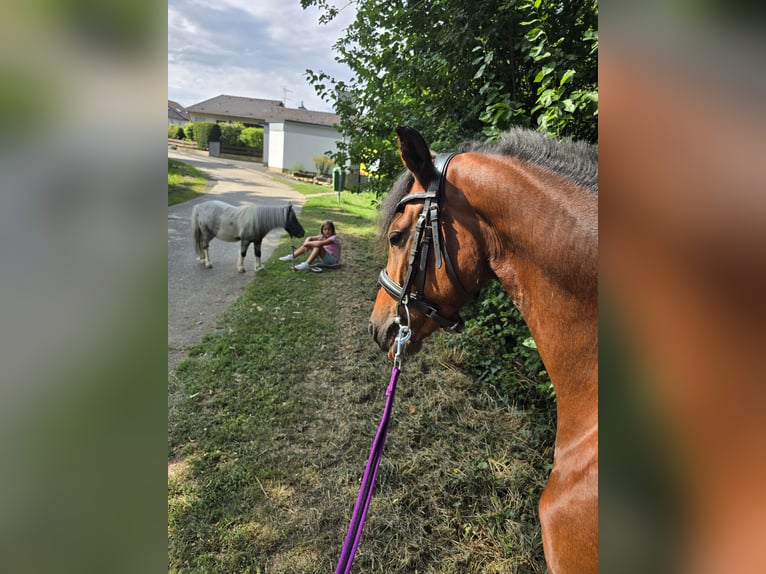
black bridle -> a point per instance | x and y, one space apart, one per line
427 232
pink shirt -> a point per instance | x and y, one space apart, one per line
334 247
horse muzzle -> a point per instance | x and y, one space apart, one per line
385 335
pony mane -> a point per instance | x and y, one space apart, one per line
263 218
575 160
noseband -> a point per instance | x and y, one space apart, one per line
427 232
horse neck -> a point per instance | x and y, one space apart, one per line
541 242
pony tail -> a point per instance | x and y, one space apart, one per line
197 233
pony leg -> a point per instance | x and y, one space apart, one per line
257 250
241 258
202 241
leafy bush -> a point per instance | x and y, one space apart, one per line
189 131
176 132
215 133
252 137
323 164
203 132
497 347
230 134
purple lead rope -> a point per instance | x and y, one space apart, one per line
368 482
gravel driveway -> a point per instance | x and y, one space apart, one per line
197 296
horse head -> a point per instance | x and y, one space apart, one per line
292 225
422 285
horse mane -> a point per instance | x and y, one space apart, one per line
575 160
263 218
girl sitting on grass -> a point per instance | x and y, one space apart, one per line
325 247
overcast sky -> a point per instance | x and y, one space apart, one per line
250 48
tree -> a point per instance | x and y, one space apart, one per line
458 71
455 71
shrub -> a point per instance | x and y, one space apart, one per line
189 131
252 137
230 134
323 164
202 133
498 347
215 133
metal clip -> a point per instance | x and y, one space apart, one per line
401 340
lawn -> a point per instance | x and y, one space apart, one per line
184 182
270 421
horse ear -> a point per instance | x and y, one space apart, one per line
415 154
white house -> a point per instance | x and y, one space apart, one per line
294 138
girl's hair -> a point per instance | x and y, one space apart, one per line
329 224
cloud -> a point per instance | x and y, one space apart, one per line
243 48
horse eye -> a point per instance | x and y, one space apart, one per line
395 238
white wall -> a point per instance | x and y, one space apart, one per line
276 155
292 143
266 144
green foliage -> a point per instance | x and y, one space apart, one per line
498 348
252 137
189 131
531 63
202 132
561 47
230 134
323 164
214 135
173 131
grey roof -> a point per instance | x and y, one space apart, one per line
177 112
305 116
260 110
236 106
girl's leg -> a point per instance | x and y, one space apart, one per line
315 252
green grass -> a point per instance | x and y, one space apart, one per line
311 188
270 421
184 182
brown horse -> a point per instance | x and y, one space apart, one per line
524 211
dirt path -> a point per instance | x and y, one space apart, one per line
197 296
